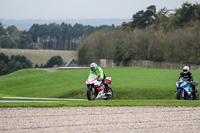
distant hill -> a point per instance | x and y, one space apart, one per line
26 24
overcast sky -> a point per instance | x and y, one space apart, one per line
80 9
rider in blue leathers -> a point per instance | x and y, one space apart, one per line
188 76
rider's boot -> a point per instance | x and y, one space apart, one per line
106 86
194 93
105 90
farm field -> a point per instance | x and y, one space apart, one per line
40 56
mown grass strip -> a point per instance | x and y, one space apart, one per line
113 103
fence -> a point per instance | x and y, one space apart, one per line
107 63
195 67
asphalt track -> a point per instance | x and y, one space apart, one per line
29 99
20 101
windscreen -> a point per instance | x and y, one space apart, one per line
92 77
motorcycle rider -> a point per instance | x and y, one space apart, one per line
188 76
95 69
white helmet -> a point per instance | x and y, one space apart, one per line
186 69
93 67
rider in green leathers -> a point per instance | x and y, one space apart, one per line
94 69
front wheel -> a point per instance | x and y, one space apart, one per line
179 95
91 93
109 94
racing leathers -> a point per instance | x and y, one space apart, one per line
101 76
188 76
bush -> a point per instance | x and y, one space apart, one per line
55 60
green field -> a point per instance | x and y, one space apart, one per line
40 56
132 86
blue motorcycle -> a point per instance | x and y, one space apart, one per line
184 90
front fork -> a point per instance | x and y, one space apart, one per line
93 91
183 92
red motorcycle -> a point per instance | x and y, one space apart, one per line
96 89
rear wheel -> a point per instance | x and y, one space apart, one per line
196 95
91 93
109 94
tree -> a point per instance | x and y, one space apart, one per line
4 58
22 60
163 19
55 60
126 26
11 29
36 65
3 68
34 32
156 51
7 42
143 19
97 46
25 41
81 54
64 36
188 12
2 30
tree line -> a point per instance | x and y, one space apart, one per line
166 35
14 63
17 62
48 36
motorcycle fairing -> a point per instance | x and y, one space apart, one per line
183 84
101 94
98 84
108 80
91 79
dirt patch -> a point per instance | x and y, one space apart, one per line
72 94
100 119
49 69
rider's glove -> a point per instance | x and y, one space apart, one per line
100 80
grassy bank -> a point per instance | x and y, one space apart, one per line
40 56
131 83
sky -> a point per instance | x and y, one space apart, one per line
80 9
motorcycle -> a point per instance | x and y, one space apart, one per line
96 89
184 90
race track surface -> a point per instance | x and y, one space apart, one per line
100 119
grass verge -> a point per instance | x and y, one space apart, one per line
113 103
